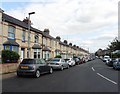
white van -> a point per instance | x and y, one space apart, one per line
106 58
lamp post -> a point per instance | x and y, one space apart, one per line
29 24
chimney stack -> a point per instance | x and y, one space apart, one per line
26 20
58 38
46 31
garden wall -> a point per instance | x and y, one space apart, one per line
9 67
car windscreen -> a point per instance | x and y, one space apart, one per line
55 60
28 61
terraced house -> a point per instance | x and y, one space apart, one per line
14 36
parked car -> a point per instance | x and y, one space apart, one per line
110 62
77 61
116 64
34 67
70 61
106 58
58 63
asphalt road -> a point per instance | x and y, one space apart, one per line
93 76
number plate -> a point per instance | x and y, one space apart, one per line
24 67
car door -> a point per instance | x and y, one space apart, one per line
40 65
46 68
64 63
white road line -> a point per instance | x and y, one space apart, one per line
106 78
93 69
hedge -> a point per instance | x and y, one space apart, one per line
58 56
9 56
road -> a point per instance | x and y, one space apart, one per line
93 76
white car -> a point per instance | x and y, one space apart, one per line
106 59
70 61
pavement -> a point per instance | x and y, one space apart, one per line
7 75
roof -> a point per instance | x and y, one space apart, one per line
11 42
46 49
17 22
57 50
36 46
62 43
47 35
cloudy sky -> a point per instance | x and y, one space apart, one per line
91 24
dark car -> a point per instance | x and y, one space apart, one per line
77 61
34 67
116 64
110 62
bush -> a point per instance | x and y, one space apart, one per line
58 56
9 56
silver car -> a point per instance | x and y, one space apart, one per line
58 63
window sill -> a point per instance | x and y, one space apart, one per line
23 41
11 38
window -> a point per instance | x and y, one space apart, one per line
42 61
11 47
23 36
44 41
15 48
7 47
11 32
28 61
36 53
36 39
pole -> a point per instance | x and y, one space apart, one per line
29 24
29 36
42 46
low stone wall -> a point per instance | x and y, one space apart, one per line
9 67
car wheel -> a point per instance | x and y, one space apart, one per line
18 75
61 68
51 70
113 67
37 74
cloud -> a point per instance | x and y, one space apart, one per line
83 21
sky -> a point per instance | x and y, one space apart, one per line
90 24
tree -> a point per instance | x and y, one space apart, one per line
115 45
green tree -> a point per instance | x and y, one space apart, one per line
115 45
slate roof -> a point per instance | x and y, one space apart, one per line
17 22
11 42
36 46
46 49
48 36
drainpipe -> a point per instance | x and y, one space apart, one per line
1 30
42 46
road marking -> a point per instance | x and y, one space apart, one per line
93 69
106 78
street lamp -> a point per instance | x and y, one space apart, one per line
29 24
